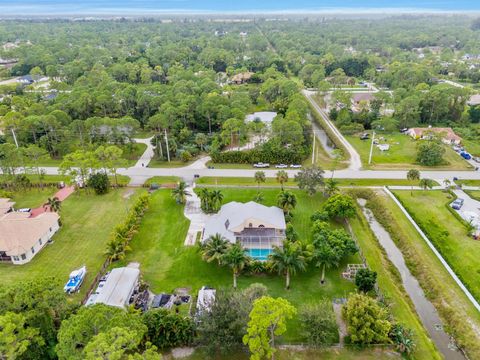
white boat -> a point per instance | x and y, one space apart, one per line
75 280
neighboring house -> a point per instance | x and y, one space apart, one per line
118 287
23 236
448 135
6 205
258 228
242 78
474 100
28 79
360 99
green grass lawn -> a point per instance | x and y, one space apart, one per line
447 233
468 182
459 315
49 179
474 194
159 180
472 146
165 164
132 153
167 264
32 198
402 154
232 181
87 223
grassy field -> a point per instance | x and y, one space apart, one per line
459 315
87 222
468 182
472 146
402 154
165 164
159 180
167 264
291 182
474 194
390 282
49 179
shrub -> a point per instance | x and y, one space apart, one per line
365 280
99 182
167 329
318 322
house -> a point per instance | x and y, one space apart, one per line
448 135
23 236
28 79
242 78
256 227
117 289
358 98
474 100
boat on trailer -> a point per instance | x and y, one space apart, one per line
75 280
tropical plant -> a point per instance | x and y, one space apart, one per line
287 260
340 206
180 192
318 322
365 280
427 184
259 177
214 248
282 177
287 201
167 329
413 175
54 204
331 187
310 179
235 258
259 197
403 339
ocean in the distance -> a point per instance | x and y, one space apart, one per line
136 7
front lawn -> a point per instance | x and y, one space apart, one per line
87 221
167 264
155 163
402 153
468 182
446 232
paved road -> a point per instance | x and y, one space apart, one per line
355 162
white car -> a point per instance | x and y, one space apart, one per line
261 165
281 166
24 210
295 166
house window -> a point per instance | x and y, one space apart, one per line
40 241
23 256
15 258
250 225
50 229
33 250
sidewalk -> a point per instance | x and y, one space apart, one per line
62 194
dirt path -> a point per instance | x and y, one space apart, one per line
342 326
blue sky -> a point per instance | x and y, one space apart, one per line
42 7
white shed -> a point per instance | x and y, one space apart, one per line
119 287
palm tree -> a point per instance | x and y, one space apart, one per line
282 177
180 193
204 195
324 257
237 259
216 197
116 250
447 183
426 183
54 204
259 198
331 187
288 260
259 177
214 248
287 201
413 175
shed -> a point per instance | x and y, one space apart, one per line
119 287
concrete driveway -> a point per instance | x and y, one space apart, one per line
470 210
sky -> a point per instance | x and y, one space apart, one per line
135 7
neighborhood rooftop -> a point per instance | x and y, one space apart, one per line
119 286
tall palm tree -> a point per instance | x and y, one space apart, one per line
331 187
413 175
287 201
282 177
259 177
180 193
237 259
116 250
426 183
325 257
216 197
288 260
54 204
214 248
204 195
447 183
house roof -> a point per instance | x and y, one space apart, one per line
449 133
357 97
245 76
5 205
474 100
235 215
118 287
19 232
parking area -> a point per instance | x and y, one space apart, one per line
470 210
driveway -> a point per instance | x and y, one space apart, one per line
470 210
194 213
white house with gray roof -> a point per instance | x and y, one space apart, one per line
254 226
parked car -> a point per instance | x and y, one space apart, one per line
261 165
404 130
295 166
465 155
281 166
24 210
457 204
365 136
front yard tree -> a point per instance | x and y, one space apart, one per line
33 154
259 177
54 204
282 177
427 184
288 259
113 344
310 179
79 163
180 192
367 321
287 201
413 175
365 280
331 187
268 319
340 206
99 183
430 153
214 248
167 329
16 336
235 258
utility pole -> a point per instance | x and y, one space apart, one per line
168 149
371 149
313 147
14 137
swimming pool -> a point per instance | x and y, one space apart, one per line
259 254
